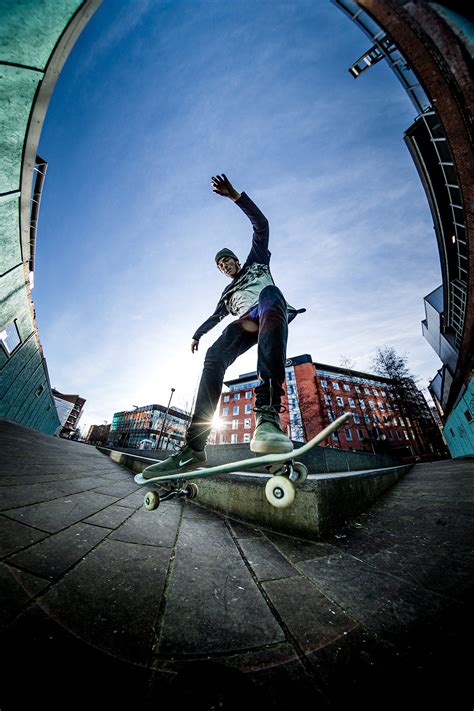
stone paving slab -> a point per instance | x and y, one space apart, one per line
111 517
53 516
15 536
213 604
110 599
151 612
266 561
381 602
312 619
151 528
296 549
52 557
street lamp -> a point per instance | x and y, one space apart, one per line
164 419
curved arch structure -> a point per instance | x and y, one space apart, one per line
430 48
35 40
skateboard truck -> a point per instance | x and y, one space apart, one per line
153 499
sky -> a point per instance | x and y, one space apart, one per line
156 97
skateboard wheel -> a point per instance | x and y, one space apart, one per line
302 472
152 500
279 491
192 491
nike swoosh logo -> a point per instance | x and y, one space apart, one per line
181 464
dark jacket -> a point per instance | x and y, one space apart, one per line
258 261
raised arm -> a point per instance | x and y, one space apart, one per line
261 231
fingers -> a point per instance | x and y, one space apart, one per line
220 181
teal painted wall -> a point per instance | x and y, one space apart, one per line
30 54
459 429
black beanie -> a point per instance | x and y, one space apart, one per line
225 253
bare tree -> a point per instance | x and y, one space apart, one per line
410 402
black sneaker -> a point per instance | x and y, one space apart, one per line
184 460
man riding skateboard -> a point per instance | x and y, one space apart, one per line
262 318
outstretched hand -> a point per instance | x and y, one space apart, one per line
194 345
222 186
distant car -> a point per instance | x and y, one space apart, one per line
146 444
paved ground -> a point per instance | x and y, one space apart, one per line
109 605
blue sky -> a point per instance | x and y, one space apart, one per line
155 98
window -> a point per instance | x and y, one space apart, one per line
237 396
233 439
248 408
352 402
348 434
347 387
399 434
357 389
380 404
362 404
367 419
324 383
334 436
340 401
376 420
246 437
406 434
383 393
356 418
235 424
360 433
367 391
222 439
226 398
376 392
371 404
248 395
390 434
335 386
247 423
9 337
235 410
327 400
225 411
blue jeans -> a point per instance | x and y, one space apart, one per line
266 324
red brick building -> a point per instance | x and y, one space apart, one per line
316 394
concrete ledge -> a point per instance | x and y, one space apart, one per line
322 505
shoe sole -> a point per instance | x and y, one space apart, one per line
271 447
165 472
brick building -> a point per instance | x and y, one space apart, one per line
98 434
316 394
428 45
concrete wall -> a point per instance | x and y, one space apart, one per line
35 40
322 504
319 460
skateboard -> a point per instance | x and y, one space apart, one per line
285 470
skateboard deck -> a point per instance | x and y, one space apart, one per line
286 471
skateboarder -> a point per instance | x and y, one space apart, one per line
262 318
